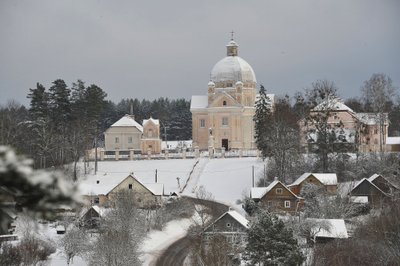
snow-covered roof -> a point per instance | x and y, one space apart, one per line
240 218
373 177
102 185
259 192
198 102
233 68
235 215
337 228
371 118
393 140
127 121
334 104
99 210
154 121
174 144
324 178
156 188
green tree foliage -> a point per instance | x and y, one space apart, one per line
261 119
271 243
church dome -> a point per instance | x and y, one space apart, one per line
232 69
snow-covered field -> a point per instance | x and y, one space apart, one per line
226 178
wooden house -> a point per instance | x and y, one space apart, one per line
377 188
90 217
231 225
325 230
277 198
103 190
328 180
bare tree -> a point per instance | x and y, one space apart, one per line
378 91
73 243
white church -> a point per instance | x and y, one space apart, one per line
224 117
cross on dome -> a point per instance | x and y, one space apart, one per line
232 32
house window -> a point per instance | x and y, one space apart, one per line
130 186
225 121
202 123
129 139
287 204
279 190
96 200
116 140
269 204
224 103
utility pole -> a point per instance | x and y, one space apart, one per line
252 174
156 177
265 172
95 153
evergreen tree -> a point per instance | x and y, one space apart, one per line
261 117
271 243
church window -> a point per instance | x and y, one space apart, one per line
129 139
376 141
116 140
150 133
202 123
224 103
375 131
225 121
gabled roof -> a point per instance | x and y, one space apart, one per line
235 215
260 192
127 121
154 121
337 228
374 176
372 184
324 178
100 211
333 104
103 185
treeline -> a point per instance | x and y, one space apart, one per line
63 121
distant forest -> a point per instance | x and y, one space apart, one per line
62 121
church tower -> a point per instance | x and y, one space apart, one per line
224 117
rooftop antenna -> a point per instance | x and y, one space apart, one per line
232 32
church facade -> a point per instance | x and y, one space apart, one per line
224 117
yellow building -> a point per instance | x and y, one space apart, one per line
224 117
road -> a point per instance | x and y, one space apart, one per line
176 253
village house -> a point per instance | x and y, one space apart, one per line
232 225
90 217
277 198
351 129
103 190
377 188
328 180
325 230
127 137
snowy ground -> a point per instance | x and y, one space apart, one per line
227 179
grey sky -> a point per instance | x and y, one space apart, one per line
151 49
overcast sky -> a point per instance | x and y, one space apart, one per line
151 49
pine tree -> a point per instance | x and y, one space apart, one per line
271 243
261 117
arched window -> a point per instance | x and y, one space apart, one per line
224 103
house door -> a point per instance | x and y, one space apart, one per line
225 144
